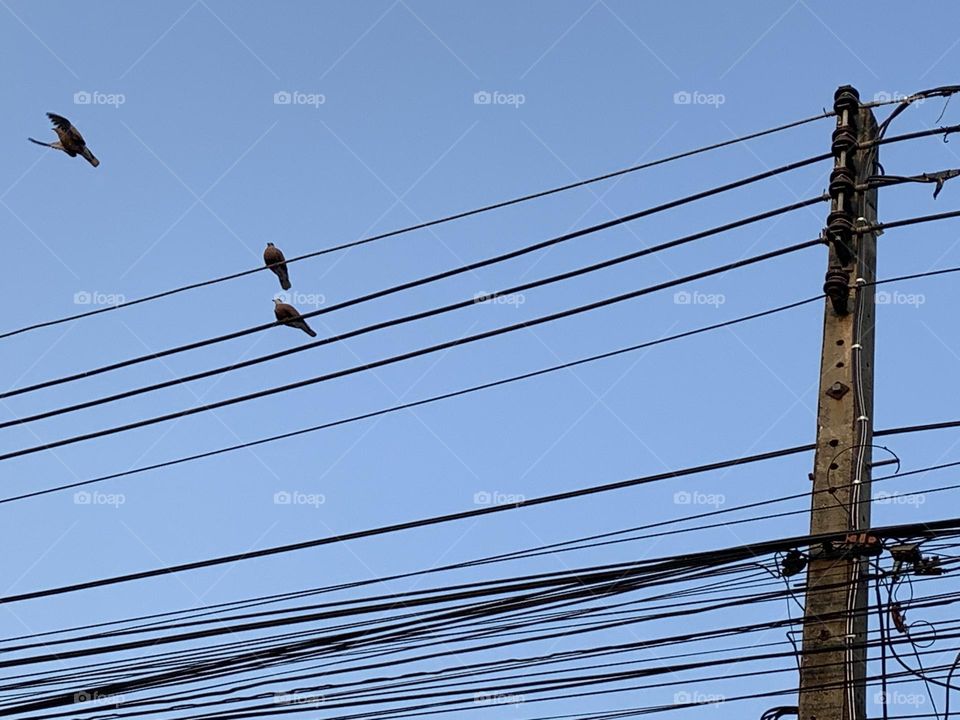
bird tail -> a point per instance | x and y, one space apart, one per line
90 157
37 142
284 278
309 330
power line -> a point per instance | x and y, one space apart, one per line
413 353
739 630
121 687
483 263
657 567
394 322
916 220
563 683
601 580
470 390
521 554
416 403
475 512
432 223
619 585
433 278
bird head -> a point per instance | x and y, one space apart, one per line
276 301
269 244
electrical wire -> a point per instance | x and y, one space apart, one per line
483 263
431 223
752 260
537 550
418 403
476 388
394 322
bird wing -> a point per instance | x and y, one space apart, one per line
65 127
59 121
283 311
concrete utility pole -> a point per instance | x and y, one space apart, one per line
832 679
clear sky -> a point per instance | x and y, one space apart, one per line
202 163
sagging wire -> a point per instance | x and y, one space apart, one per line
883 641
775 713
831 490
786 570
942 91
946 691
895 612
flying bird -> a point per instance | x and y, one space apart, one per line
274 259
288 315
71 141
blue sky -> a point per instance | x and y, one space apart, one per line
203 163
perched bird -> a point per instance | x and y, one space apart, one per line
274 259
288 315
71 141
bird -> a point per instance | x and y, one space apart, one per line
71 141
289 316
274 259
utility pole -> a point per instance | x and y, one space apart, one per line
832 678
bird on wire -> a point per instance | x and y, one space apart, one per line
289 316
274 259
71 141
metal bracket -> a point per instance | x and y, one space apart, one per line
838 390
